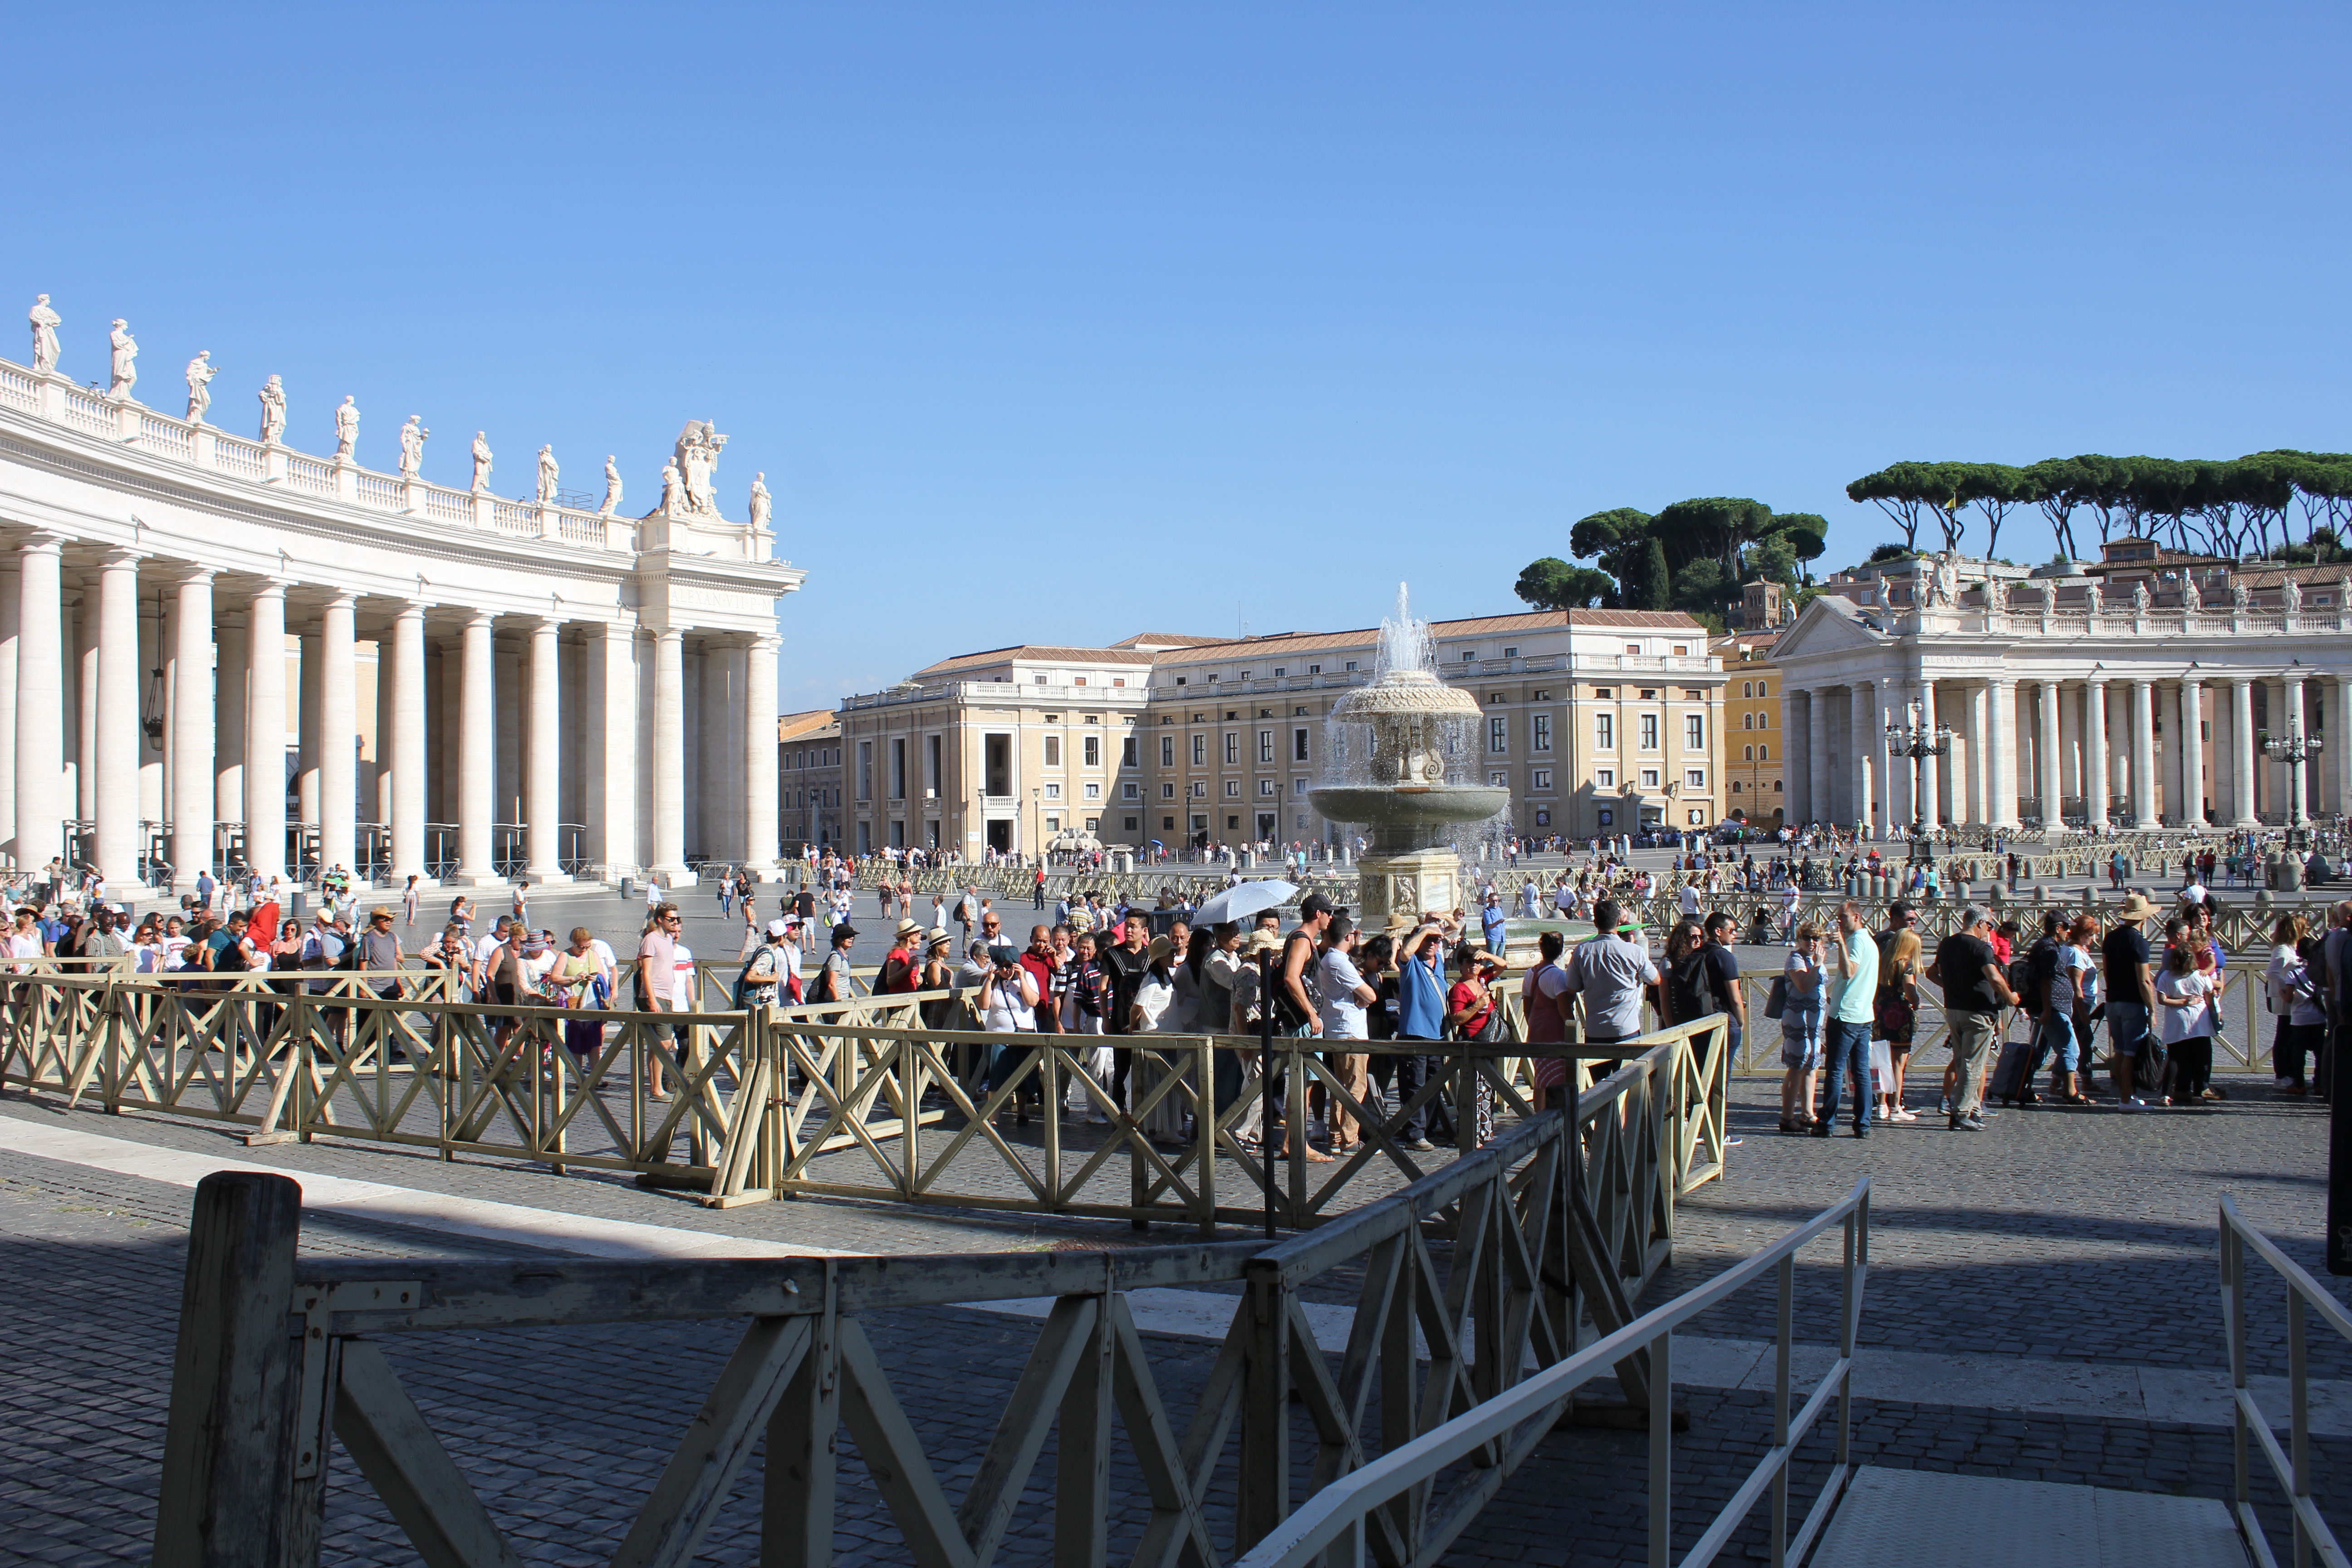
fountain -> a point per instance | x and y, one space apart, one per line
1408 728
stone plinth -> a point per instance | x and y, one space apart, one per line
1407 884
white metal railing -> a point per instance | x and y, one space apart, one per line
1338 1514
2291 1469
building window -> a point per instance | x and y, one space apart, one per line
1541 731
1649 778
1167 792
1692 778
1543 697
1298 788
1279 672
1094 792
1299 746
1542 779
1053 825
1510 653
1265 745
1053 750
1167 751
1094 751
1634 649
1682 650
1126 752
1693 732
1082 680
1131 792
1764 719
1233 788
1200 750
1497 779
1266 787
1776 786
1746 688
1746 754
1233 747
1318 669
1735 787
1167 824
1763 689
1649 732
1469 655
1763 754
1200 788
1498 734
1604 731
1351 664
1747 720
1052 792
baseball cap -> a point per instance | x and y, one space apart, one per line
778 928
1314 904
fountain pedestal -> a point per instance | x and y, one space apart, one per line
1411 884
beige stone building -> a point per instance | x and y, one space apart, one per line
808 779
1608 720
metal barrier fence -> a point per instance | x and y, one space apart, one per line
2291 1468
278 1354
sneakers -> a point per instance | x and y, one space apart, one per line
1965 1124
1944 1105
1421 1146
1905 1114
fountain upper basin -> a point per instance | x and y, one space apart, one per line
1382 805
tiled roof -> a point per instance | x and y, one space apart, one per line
792 726
1163 640
1033 653
1477 626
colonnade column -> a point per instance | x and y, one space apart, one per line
2241 752
2001 751
543 851
405 727
40 701
1929 806
668 851
760 755
115 749
1817 755
1864 743
2340 736
191 724
2094 754
610 712
264 732
2298 796
2191 747
11 606
2052 777
338 747
2143 754
477 753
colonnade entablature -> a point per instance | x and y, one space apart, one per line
227 653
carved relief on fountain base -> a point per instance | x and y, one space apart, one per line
1410 885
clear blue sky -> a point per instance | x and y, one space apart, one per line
1065 322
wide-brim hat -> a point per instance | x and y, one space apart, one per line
908 927
2136 908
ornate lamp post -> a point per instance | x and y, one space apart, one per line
1911 737
2293 748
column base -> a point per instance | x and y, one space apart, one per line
463 878
547 878
672 878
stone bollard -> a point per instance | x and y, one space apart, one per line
2090 896
1998 898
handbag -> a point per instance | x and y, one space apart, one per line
1776 1001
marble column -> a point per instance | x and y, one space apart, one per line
115 744
2094 754
40 701
1862 704
477 753
668 854
11 606
2001 750
1817 756
2191 747
81 635
310 663
2241 752
612 772
338 730
264 732
2143 754
2298 793
401 735
1930 803
542 840
233 659
760 759
1972 800
2339 735
191 724
2046 751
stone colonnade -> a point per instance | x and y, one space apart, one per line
169 679
2106 747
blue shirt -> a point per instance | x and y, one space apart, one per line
1495 921
1420 1001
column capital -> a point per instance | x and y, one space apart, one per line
477 617
412 609
190 572
42 541
121 556
342 599
272 588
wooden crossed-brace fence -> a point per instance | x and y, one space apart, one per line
1499 1263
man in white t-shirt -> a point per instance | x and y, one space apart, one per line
1344 998
485 950
1690 898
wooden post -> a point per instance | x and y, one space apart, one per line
228 1467
1264 1479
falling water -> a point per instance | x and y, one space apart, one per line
1405 642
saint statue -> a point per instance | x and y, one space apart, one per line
46 322
699 446
673 501
273 412
612 488
125 366
2241 599
2344 597
347 429
763 505
1996 596
548 473
481 462
2190 599
200 391
2140 596
2292 596
2094 598
412 446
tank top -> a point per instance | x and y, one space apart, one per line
1547 1015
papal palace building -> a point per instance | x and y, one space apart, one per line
1604 721
2131 691
217 649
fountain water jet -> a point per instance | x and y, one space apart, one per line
1406 798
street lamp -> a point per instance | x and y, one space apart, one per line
1915 740
2293 748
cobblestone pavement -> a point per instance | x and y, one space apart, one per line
2082 1235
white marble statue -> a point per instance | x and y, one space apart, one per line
481 462
2095 597
699 446
2139 597
612 488
273 412
2191 600
672 497
125 366
200 388
548 474
2241 599
46 323
1996 596
347 427
2344 597
2292 596
413 436
763 506
1943 579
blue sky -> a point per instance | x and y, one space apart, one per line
1064 322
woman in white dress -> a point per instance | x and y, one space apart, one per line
1154 1012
